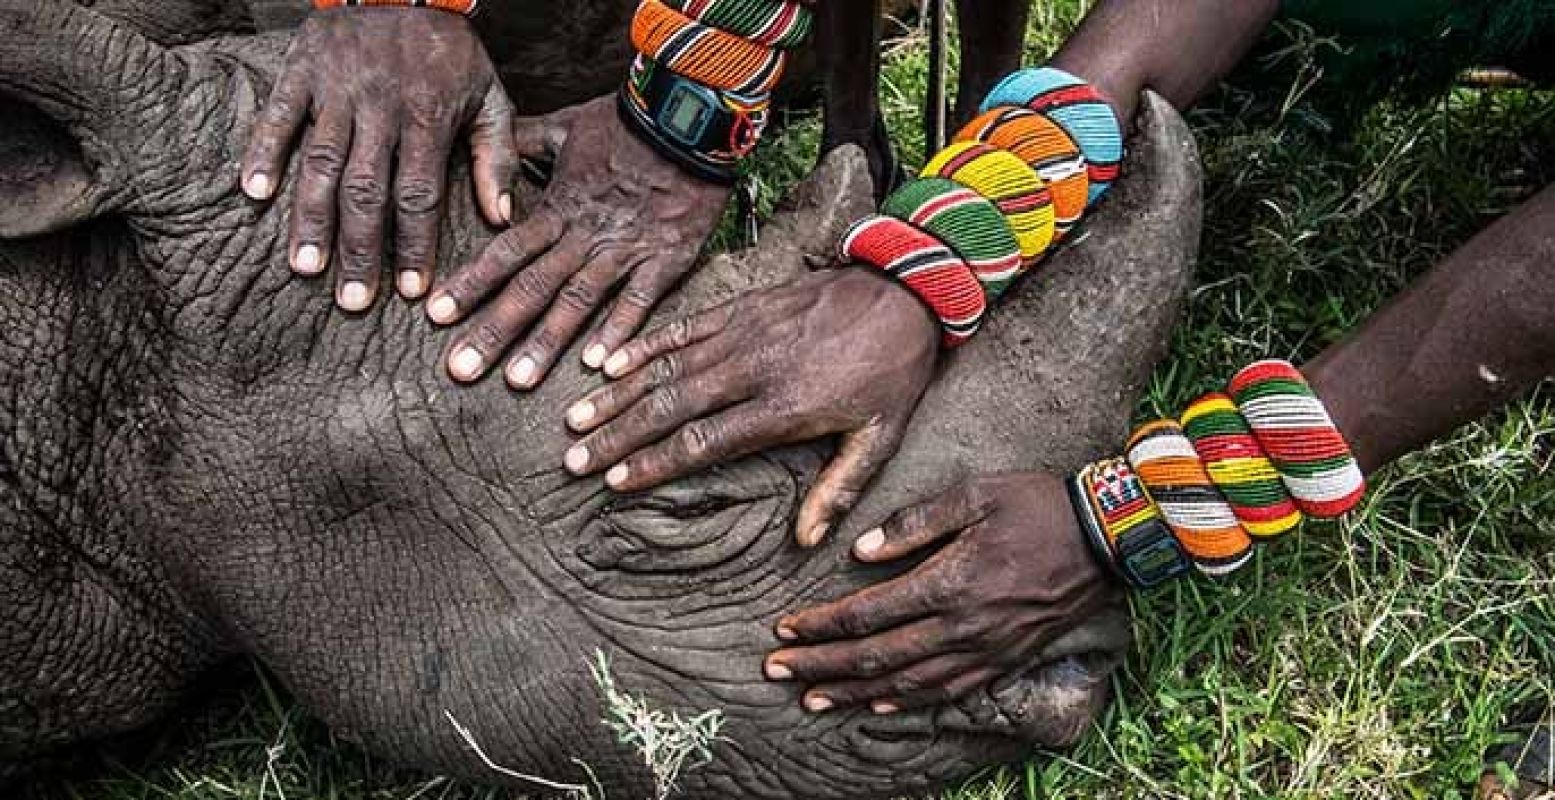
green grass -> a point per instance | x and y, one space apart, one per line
1380 657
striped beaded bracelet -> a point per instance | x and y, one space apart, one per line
705 54
925 266
1239 467
1078 108
1021 196
1293 426
1195 510
964 221
465 7
1124 525
780 24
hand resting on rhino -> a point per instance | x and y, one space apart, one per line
203 459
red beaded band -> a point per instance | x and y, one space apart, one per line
705 54
925 265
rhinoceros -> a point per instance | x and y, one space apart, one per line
202 458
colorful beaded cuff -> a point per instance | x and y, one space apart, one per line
1198 514
1007 182
1143 549
1294 428
1078 109
705 131
1046 148
1239 467
966 222
924 265
705 54
781 24
465 7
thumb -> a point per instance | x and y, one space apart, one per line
495 157
841 483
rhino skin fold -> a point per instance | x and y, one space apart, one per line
203 459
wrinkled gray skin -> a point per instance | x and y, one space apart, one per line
201 457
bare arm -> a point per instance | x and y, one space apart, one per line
1474 332
1179 48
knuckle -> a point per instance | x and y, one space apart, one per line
529 286
907 682
579 295
323 158
698 438
662 371
637 297
362 194
870 663
663 403
417 196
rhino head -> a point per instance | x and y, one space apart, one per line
205 458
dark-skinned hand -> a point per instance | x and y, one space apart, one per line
384 86
837 352
1011 575
615 211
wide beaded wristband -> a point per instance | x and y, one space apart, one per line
927 267
465 7
705 54
1078 108
781 24
706 131
1045 147
1006 181
966 222
1142 547
1294 428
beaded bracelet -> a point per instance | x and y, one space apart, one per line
465 7
925 266
1134 539
1243 466
781 24
966 222
1007 182
1078 108
705 131
1046 148
703 53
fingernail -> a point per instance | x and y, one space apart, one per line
581 413
354 296
466 364
505 207
617 475
411 285
594 356
778 672
787 634
871 541
258 186
617 364
816 704
577 459
521 373
883 707
442 309
308 261
816 534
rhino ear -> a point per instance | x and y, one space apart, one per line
78 94
45 182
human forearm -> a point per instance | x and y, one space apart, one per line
1179 48
1472 333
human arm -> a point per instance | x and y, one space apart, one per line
388 90
1469 335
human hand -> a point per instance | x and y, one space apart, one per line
844 352
1011 575
615 210
383 85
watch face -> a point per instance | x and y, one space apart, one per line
685 115
1152 555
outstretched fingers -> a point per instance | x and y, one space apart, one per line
509 253
649 283
418 208
364 203
324 155
494 156
500 322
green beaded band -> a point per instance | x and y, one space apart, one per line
966 222
780 24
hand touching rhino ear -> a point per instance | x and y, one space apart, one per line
381 85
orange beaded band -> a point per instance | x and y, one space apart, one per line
705 54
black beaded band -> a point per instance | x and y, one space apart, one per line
704 130
1090 527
